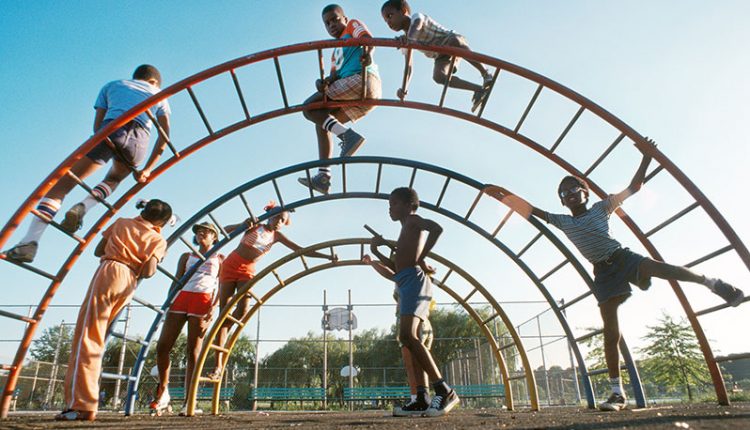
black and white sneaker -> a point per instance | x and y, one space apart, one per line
415 408
441 405
615 402
731 294
320 183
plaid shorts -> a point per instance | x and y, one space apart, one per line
350 88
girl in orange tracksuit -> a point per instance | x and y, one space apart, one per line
239 266
130 250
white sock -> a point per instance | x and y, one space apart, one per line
48 207
616 384
102 191
710 283
413 397
335 127
325 170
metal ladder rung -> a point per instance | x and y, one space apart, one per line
193 248
719 307
517 377
508 346
589 335
162 133
200 110
377 179
231 317
219 348
528 108
205 379
278 193
710 256
247 207
107 375
576 300
88 190
442 192
251 294
168 274
567 129
602 371
489 92
492 317
732 357
673 218
605 154
239 94
129 338
528 245
474 204
445 278
651 175
221 228
554 269
29 267
280 77
343 179
278 278
17 317
502 222
56 225
447 81
473 291
413 177
407 68
7 367
147 304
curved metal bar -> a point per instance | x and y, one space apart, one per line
246 288
273 54
456 177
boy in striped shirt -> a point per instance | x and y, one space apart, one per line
615 267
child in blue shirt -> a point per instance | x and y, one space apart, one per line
130 144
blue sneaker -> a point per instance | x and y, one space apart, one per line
350 142
320 183
731 294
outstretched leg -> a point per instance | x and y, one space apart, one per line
612 337
116 174
649 267
226 292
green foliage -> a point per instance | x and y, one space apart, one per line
43 348
673 358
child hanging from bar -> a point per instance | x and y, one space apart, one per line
351 69
615 267
130 145
239 266
415 289
420 398
420 28
130 249
193 305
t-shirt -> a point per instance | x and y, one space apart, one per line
259 238
133 241
590 231
205 279
346 61
117 97
424 29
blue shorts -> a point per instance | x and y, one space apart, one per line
131 143
613 276
415 292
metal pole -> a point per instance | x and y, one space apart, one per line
33 385
53 371
325 351
121 363
544 361
480 370
351 350
572 361
257 357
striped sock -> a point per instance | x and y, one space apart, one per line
101 191
335 127
325 170
47 207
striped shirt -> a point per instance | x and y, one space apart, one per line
590 231
259 238
424 29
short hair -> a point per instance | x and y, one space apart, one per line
580 181
401 5
332 7
145 72
407 195
155 210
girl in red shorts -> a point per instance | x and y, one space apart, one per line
192 305
239 266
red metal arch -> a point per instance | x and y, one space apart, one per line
542 82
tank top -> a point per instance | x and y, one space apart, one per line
206 277
260 238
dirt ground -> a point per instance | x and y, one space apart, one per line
675 417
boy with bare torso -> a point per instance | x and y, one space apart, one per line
415 289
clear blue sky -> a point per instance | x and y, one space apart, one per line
675 71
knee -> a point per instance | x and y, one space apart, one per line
440 77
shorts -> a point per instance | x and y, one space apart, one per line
131 143
193 304
350 88
443 62
613 276
415 292
235 268
426 335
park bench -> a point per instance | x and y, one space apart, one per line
287 393
204 393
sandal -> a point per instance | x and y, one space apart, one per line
74 415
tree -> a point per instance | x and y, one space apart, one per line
43 348
673 357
